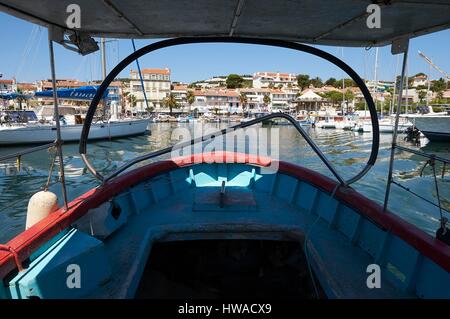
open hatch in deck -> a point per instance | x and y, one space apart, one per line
227 269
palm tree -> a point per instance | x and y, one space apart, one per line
130 98
170 102
266 99
422 94
243 100
20 98
190 98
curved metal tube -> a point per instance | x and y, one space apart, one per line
278 43
229 130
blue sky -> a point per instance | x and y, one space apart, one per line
24 55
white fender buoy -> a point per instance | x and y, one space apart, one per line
41 205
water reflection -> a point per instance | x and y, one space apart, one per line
348 151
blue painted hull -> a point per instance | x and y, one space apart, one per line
115 227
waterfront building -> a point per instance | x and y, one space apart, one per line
309 101
179 92
255 99
419 80
6 86
218 101
274 80
157 88
281 100
44 85
27 88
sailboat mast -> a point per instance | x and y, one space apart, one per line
376 80
343 86
103 52
391 109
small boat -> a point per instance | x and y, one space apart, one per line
226 224
387 125
435 128
358 127
434 125
183 119
112 231
326 122
305 122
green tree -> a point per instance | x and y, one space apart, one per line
130 98
335 97
349 96
20 99
317 82
347 83
247 83
303 81
266 99
170 102
438 86
234 81
410 81
330 81
243 100
360 106
422 94
190 98
440 96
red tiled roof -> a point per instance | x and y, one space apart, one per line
180 87
282 75
6 81
153 71
26 86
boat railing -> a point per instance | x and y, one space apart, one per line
289 118
276 43
18 155
432 159
56 144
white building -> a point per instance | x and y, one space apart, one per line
420 80
6 86
220 101
274 79
156 84
281 100
255 98
179 92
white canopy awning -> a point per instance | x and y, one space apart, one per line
342 23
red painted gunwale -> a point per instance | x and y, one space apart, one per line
31 239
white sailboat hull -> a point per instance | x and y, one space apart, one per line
387 127
326 125
34 134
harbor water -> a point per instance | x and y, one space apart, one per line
347 150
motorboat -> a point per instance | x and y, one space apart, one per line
387 126
434 125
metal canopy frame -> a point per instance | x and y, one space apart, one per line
277 43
